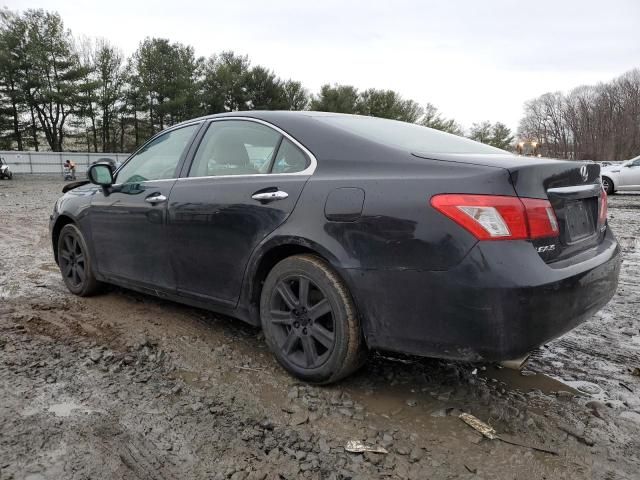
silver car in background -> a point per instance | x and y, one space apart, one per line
621 177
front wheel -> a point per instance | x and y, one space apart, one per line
310 322
75 262
607 184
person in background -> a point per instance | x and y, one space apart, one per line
72 168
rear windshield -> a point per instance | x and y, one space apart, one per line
408 136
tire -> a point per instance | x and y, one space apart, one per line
75 262
310 322
608 185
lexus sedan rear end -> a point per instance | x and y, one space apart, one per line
339 234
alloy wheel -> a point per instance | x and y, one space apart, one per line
72 261
304 321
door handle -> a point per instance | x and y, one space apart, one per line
153 199
270 196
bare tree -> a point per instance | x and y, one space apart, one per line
600 122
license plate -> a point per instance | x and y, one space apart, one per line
579 221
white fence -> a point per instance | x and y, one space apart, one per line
51 162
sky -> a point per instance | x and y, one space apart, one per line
475 60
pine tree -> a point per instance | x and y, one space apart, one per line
501 136
12 98
55 76
433 119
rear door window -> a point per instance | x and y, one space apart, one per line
235 147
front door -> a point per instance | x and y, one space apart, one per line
630 175
128 222
243 183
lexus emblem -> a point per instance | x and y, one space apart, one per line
584 173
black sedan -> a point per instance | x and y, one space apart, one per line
339 234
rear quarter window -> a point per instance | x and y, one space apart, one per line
290 159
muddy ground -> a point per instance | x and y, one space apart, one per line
123 385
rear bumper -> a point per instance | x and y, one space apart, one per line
501 302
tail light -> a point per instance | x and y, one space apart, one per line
497 217
604 209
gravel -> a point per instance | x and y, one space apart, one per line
123 385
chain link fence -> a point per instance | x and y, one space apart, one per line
52 162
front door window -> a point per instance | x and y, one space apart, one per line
158 159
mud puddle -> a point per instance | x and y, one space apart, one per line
66 409
527 380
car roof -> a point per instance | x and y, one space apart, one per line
272 116
321 139
275 113
284 119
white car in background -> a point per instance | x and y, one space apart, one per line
623 177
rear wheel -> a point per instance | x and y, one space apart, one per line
75 262
608 185
309 320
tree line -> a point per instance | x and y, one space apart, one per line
599 122
60 92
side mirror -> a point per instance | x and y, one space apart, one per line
100 174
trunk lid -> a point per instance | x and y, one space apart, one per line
573 189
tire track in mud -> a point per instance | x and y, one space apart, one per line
142 460
597 350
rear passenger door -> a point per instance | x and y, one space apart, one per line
243 182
